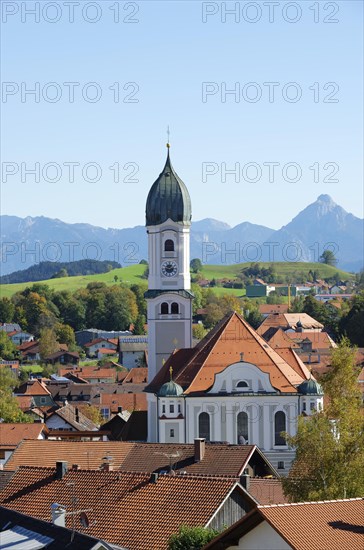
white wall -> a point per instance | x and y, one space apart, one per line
263 537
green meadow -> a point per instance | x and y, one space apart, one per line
133 274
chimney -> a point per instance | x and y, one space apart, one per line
75 467
245 480
199 448
107 465
58 514
77 415
154 477
61 469
120 409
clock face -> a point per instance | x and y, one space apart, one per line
169 268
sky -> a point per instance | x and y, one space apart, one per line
264 106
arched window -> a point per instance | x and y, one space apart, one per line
279 427
169 245
174 308
164 308
242 428
242 384
204 426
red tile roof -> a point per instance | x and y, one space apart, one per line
320 340
219 460
12 434
128 401
32 387
326 525
124 508
194 369
136 375
86 454
273 308
333 525
289 320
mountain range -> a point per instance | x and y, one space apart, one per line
321 225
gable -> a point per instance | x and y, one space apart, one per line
242 377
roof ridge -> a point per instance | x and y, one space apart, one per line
309 502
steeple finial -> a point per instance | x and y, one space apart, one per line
171 372
168 136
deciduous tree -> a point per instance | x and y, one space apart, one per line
330 444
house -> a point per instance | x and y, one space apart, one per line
63 357
87 335
92 348
12 434
94 375
87 455
10 327
23 531
259 290
114 403
69 418
232 386
38 390
267 309
18 337
333 524
260 478
290 322
12 365
138 511
30 351
132 351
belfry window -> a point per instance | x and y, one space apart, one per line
169 245
164 308
174 308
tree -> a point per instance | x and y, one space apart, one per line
139 325
330 443
48 343
198 331
8 350
328 258
66 335
7 310
93 413
196 265
9 408
191 538
353 323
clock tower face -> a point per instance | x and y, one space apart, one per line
169 268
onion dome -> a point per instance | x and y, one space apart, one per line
168 198
310 387
170 389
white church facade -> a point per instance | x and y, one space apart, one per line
232 386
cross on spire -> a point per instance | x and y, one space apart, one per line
241 356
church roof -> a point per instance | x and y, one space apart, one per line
195 368
168 198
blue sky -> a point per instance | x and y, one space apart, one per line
162 60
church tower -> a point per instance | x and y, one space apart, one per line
169 298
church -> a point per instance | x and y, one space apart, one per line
232 386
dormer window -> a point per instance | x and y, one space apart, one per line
169 245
